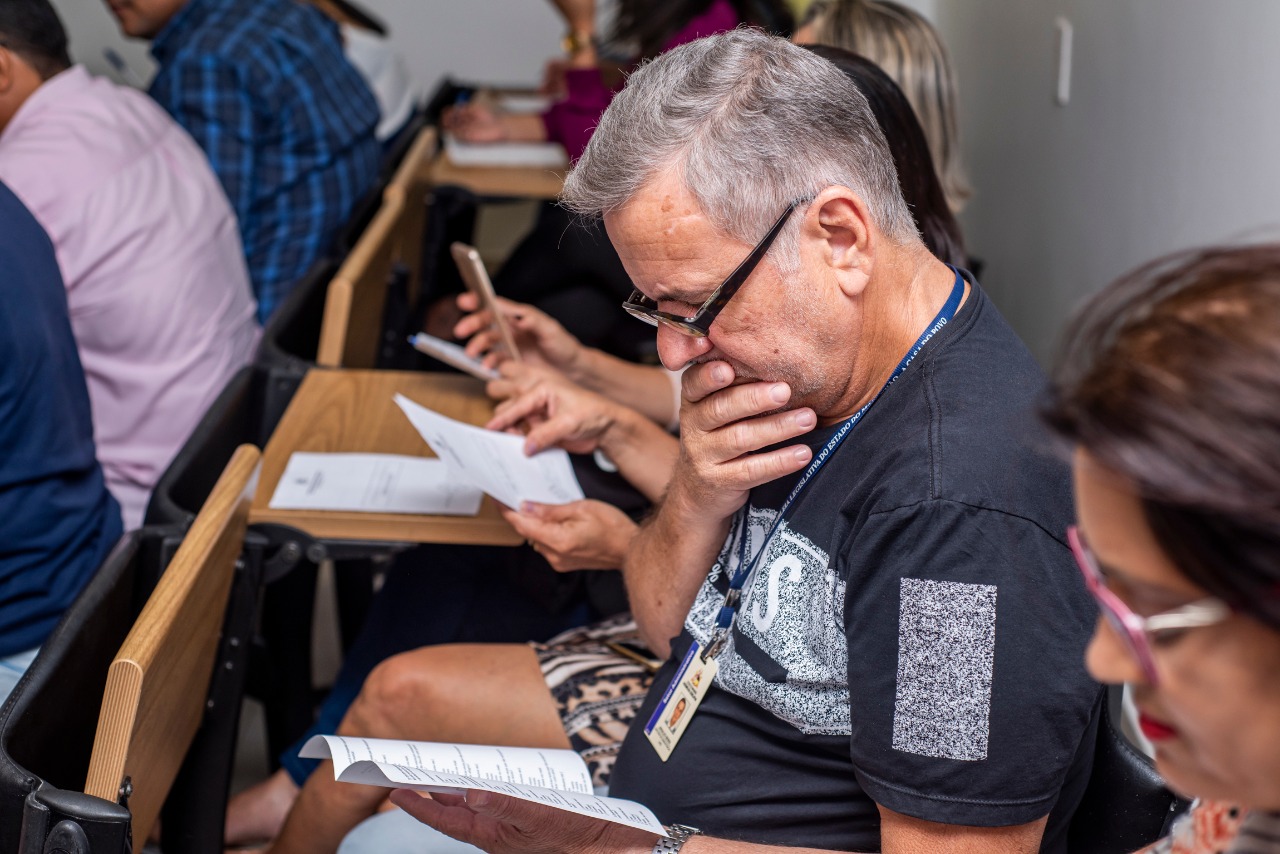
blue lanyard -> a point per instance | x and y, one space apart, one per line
724 620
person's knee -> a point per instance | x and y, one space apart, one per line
397 688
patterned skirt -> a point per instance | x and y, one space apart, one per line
597 689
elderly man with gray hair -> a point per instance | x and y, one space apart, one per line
859 570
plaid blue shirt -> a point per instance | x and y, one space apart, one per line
286 121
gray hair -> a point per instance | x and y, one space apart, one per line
751 123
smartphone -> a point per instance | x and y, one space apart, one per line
477 281
451 354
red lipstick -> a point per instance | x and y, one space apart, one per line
1154 729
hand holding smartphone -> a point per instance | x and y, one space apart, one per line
477 281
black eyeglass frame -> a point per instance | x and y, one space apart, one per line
698 324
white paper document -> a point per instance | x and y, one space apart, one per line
523 104
451 354
495 462
373 483
530 155
555 778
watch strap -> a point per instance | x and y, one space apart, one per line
678 835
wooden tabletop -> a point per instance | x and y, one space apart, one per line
354 412
520 182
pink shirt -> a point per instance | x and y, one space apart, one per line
571 121
157 287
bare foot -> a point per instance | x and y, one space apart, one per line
258 813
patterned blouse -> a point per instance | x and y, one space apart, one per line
1216 828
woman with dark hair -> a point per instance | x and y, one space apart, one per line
916 175
1170 393
568 269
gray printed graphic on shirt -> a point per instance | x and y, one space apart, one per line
946 656
793 609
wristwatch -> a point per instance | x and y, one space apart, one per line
678 835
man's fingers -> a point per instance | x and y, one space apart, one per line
513 811
735 404
456 821
701 380
756 469
743 437
449 800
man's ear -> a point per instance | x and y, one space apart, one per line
7 69
838 229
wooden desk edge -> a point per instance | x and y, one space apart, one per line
391 527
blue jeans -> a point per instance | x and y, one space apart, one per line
397 832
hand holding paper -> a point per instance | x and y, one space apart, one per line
495 462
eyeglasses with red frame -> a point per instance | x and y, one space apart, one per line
1138 631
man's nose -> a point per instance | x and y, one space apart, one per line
677 349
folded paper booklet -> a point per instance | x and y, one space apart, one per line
555 778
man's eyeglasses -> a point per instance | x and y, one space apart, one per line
699 323
1138 631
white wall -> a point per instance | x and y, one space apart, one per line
1169 140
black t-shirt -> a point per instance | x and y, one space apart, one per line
913 635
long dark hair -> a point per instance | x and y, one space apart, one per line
1171 378
916 175
648 25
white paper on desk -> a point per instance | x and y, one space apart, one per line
530 155
373 483
555 778
495 462
524 104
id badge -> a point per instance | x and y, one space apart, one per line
680 701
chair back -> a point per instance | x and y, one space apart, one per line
156 686
351 332
1126 805
238 416
411 183
291 335
46 727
